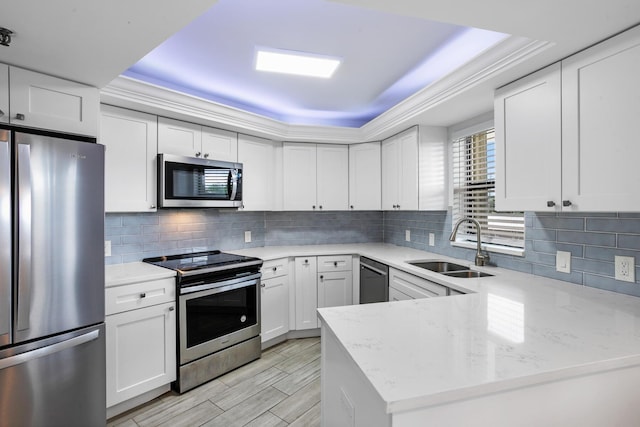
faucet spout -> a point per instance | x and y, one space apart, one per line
481 259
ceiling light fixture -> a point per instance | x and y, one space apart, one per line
298 63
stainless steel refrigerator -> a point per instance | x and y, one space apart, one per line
52 343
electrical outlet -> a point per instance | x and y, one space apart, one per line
432 239
407 235
625 268
247 236
563 262
107 248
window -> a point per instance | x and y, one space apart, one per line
474 168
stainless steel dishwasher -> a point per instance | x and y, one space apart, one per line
374 281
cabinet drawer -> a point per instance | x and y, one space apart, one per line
334 263
139 295
275 268
415 286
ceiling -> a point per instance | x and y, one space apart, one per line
382 61
382 42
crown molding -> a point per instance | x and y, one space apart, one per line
137 95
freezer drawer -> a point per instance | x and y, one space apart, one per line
59 381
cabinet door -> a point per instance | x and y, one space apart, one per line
335 289
600 112
4 93
179 138
408 170
365 180
306 293
131 140
141 351
256 155
414 286
218 144
274 307
396 295
46 102
332 185
528 143
299 176
390 173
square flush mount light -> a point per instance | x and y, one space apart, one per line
298 63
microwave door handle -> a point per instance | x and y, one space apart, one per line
233 175
24 240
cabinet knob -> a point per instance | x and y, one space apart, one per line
551 203
1 113
306 261
152 207
351 207
320 206
198 154
143 295
398 206
566 203
394 206
171 308
313 207
321 277
206 155
19 116
262 285
335 263
275 268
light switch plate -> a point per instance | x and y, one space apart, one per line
407 235
107 248
563 262
247 236
432 239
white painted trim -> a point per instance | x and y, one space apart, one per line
134 94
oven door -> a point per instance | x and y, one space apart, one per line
218 317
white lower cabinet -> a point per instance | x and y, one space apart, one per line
140 338
274 299
306 288
335 281
407 286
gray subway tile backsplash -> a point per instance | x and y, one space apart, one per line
593 239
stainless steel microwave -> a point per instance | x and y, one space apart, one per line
194 182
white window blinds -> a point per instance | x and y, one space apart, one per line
474 193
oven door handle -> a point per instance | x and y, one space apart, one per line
223 286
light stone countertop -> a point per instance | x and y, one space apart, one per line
512 330
133 272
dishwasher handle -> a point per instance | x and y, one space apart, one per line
375 270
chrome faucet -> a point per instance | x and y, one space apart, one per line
481 259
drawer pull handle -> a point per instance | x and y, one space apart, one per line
143 295
551 204
566 203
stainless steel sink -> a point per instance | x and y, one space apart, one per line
438 266
469 274
449 269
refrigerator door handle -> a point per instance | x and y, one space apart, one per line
48 350
24 242
5 239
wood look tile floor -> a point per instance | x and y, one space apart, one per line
282 388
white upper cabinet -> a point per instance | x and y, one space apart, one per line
131 139
219 144
192 140
365 181
600 113
45 102
414 170
316 177
259 175
564 135
528 143
4 93
299 175
332 174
